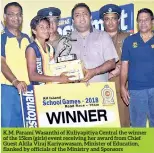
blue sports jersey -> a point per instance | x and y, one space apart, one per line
140 55
42 60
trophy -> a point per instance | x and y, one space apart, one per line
64 53
67 62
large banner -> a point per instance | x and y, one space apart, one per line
71 105
127 20
128 17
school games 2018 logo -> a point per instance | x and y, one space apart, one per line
107 95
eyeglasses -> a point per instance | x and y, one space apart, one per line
12 15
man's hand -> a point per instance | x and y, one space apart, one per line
110 76
20 85
125 95
89 73
65 79
115 72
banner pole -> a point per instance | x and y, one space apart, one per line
22 109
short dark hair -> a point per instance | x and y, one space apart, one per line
145 10
80 5
12 4
35 21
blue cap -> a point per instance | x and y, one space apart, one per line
109 8
50 11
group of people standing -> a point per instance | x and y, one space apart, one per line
109 55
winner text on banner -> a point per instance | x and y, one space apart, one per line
71 105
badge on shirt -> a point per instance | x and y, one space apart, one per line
2 32
152 46
135 45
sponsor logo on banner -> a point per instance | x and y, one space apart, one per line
107 95
29 107
127 20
